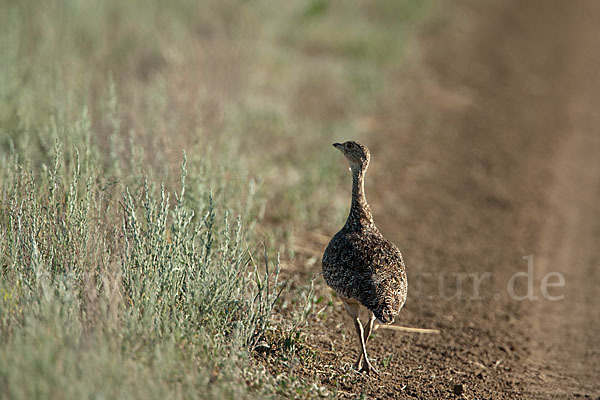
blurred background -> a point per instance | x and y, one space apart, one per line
263 87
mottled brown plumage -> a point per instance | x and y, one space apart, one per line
361 265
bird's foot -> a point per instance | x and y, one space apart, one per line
368 368
359 363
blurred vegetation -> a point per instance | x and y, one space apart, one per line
128 268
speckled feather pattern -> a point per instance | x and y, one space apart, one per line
359 263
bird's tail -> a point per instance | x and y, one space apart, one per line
384 315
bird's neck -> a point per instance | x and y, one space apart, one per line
360 212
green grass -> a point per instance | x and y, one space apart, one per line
129 268
135 290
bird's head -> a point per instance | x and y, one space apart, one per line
358 155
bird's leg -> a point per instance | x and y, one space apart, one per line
353 310
368 331
369 327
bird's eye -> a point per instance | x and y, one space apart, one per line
349 145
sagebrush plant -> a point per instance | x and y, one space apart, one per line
123 272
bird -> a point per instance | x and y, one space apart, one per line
360 265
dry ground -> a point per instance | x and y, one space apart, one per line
485 150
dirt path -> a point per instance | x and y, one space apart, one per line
486 151
503 161
568 354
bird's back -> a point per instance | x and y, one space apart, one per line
359 263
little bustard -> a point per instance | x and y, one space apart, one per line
361 265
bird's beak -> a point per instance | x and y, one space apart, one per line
338 146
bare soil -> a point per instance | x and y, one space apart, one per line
485 149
